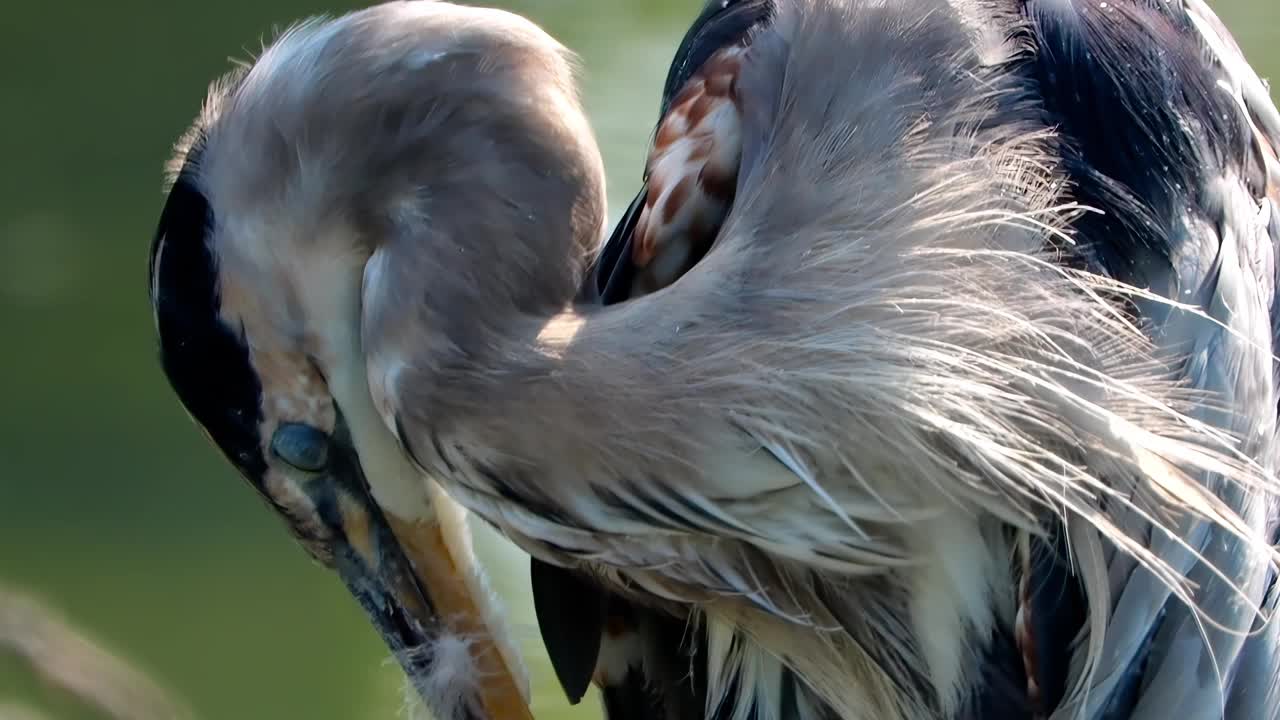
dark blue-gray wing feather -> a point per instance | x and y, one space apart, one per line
1169 132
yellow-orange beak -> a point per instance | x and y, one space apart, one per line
416 581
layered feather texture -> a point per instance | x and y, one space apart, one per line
908 343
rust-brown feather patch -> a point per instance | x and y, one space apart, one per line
692 173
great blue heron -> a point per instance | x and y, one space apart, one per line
929 376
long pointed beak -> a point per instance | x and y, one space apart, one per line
418 594
450 590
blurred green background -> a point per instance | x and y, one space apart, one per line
112 507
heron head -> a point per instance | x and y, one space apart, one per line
453 135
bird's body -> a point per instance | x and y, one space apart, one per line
1182 111
959 403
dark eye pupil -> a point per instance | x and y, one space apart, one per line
302 446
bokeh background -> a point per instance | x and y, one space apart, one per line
113 509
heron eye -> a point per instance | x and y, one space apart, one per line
302 446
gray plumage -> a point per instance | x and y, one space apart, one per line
995 275
343 135
1163 128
